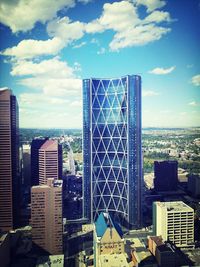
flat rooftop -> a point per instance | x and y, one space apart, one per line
141 252
51 261
114 260
175 206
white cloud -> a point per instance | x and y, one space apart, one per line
149 93
119 16
46 68
139 35
183 113
33 100
196 80
79 45
162 71
76 103
151 4
85 1
95 41
54 86
41 111
101 51
193 103
77 66
32 48
66 30
165 111
54 77
122 17
158 16
62 31
21 15
94 27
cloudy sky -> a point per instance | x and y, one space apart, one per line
48 46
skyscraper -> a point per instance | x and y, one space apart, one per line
46 216
26 161
112 148
35 146
50 161
9 160
166 175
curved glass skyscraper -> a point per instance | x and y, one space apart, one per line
112 148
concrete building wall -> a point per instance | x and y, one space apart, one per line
46 216
6 207
111 242
49 161
174 222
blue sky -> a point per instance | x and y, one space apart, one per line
48 46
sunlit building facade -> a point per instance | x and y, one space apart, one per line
50 161
46 216
112 148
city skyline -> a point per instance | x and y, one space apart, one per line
44 57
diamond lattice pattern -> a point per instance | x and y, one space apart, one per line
109 146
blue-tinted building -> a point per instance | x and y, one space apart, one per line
112 148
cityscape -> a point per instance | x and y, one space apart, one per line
99 133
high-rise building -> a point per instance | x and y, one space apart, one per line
26 163
112 148
194 185
174 221
35 146
166 175
9 160
50 161
46 216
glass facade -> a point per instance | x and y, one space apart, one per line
112 148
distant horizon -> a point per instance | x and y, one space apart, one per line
148 127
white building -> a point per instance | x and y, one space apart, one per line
174 221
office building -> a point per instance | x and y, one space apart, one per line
50 161
166 175
112 149
26 163
35 146
164 252
174 221
46 216
194 185
9 161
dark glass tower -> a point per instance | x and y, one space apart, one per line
35 146
9 161
166 175
112 148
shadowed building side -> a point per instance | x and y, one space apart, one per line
9 161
